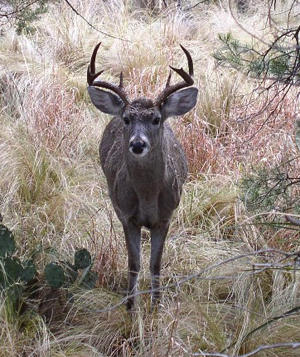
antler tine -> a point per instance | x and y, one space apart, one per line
121 80
190 61
187 79
91 77
169 80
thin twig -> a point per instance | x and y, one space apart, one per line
293 345
92 26
192 7
194 276
7 14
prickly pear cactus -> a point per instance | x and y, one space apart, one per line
28 272
89 280
54 275
82 259
15 273
13 270
7 242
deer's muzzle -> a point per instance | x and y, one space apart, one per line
139 146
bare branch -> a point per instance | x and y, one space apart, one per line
92 26
293 345
8 14
198 275
193 6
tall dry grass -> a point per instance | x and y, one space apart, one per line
52 191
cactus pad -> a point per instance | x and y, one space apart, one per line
13 269
7 242
82 259
29 272
54 275
89 280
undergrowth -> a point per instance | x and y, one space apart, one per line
219 295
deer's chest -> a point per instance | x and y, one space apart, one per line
150 211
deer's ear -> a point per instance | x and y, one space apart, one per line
106 102
180 102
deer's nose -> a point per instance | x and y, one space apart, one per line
137 146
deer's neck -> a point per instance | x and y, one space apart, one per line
147 174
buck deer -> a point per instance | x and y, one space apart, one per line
144 164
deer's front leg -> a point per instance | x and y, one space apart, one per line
158 237
133 243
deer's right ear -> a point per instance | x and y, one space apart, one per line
106 102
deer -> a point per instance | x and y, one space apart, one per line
144 164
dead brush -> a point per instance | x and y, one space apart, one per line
201 151
52 115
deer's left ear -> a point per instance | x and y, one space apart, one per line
180 102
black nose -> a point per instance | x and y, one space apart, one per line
137 146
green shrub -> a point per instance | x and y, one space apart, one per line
20 279
22 14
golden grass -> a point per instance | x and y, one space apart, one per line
53 192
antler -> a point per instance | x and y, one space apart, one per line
187 79
91 76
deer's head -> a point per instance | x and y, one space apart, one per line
143 118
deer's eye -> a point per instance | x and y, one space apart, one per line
156 121
126 120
